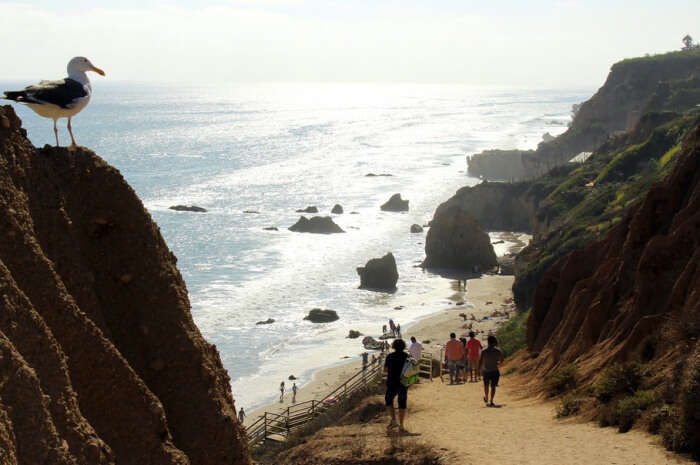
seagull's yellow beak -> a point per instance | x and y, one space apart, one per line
98 70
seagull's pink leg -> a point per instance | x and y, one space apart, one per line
70 130
55 131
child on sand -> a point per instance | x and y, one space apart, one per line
491 358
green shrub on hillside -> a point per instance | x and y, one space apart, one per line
628 410
568 406
619 379
562 380
513 335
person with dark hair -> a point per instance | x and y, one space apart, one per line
454 353
491 358
393 367
473 354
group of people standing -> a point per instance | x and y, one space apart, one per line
482 363
470 356
394 329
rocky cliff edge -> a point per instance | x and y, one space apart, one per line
100 361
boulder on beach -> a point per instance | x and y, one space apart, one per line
318 315
188 208
310 209
292 378
253 212
353 334
316 225
266 322
270 228
379 273
416 228
337 209
395 204
371 343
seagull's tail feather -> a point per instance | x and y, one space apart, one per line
17 96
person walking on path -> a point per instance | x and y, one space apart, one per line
281 392
241 415
392 327
491 358
393 366
454 352
473 354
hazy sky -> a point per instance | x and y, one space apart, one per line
525 43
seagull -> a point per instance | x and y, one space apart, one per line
59 99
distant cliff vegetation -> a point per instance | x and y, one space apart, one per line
633 88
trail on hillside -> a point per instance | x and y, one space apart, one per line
454 420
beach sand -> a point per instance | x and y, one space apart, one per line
481 297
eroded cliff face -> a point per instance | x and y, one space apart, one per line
101 361
633 296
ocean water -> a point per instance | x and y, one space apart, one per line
275 148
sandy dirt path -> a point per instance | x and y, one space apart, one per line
454 420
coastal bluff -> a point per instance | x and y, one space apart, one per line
634 87
101 361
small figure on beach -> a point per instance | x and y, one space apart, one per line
473 355
365 361
294 392
383 329
241 415
281 392
491 358
454 352
393 368
398 331
392 327
415 349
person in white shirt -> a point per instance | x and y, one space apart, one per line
416 349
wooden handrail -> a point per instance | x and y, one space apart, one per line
298 415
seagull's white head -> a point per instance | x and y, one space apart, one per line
81 65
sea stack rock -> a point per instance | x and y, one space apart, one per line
337 209
316 225
456 241
395 204
416 228
310 209
379 273
318 315
190 208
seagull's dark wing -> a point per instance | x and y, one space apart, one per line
63 93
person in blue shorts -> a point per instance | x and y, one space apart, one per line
491 358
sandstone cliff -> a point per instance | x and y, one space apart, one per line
101 361
633 296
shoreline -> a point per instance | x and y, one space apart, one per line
483 297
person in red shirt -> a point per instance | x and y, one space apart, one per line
454 353
473 354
